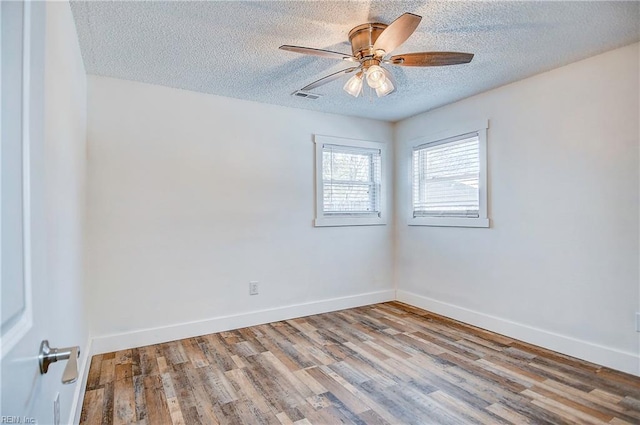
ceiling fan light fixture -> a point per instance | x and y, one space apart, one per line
371 43
375 76
385 88
354 85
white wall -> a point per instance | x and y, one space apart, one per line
559 265
191 196
65 98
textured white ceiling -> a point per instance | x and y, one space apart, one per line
230 48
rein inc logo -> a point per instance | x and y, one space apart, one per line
17 420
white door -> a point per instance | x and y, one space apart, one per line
26 395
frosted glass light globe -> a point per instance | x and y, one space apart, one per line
354 85
375 76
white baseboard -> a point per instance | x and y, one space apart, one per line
81 384
142 337
606 356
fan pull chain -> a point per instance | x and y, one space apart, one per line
371 99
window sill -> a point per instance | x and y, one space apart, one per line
349 221
449 222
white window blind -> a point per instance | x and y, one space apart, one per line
446 178
351 180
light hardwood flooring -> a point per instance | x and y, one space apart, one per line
381 364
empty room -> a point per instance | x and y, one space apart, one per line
320 212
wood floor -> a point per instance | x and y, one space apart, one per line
381 364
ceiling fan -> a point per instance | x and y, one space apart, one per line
370 45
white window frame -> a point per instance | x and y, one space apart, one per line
479 127
322 220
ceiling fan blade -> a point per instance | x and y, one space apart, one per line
329 78
430 59
318 52
397 32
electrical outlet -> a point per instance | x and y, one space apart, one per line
56 410
638 322
253 288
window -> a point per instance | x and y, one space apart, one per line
449 179
349 182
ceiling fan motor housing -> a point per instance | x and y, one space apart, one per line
362 39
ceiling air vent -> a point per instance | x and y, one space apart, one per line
306 95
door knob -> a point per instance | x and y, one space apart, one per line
50 355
